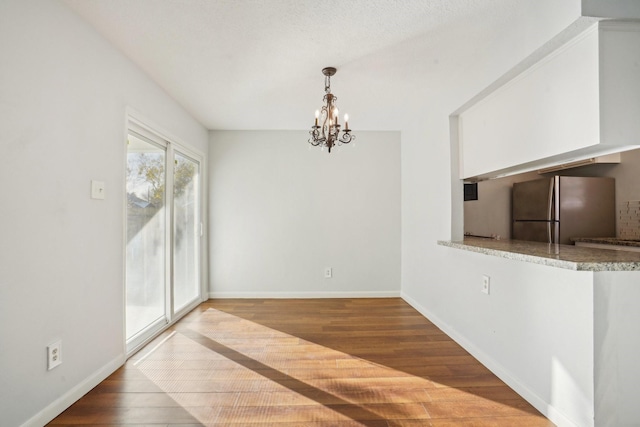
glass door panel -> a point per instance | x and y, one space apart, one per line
146 266
186 232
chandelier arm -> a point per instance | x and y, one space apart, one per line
347 137
325 122
314 140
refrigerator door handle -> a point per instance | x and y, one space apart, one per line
550 216
552 189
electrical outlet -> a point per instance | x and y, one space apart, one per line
54 355
486 282
328 273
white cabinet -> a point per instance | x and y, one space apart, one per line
581 100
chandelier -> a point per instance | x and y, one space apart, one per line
328 133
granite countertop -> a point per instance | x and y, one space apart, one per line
608 241
563 256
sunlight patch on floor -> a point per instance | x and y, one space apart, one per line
251 373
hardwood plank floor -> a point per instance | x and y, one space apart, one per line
320 362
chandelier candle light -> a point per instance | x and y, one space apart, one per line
328 134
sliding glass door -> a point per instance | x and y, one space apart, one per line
186 231
163 234
146 263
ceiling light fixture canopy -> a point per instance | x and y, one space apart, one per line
328 134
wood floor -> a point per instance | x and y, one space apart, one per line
320 362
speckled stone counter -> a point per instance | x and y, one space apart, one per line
561 256
608 241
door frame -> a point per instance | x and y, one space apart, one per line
137 123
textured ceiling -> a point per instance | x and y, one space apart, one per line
256 64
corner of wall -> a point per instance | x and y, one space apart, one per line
457 209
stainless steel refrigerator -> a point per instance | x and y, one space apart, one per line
556 209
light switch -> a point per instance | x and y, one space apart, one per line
97 189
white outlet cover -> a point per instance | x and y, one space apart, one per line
328 273
486 283
54 355
97 190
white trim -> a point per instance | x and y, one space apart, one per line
169 204
625 26
155 347
279 295
58 406
124 218
204 224
156 333
140 120
512 381
143 337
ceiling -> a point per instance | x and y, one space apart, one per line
256 64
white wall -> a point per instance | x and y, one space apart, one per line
617 345
63 96
437 280
534 329
281 211
445 283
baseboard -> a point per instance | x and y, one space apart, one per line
63 402
277 295
530 396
